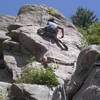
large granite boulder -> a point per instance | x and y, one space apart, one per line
90 90
35 92
5 21
36 15
5 77
3 37
14 58
84 67
81 79
28 37
24 32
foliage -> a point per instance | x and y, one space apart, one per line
94 29
91 35
31 60
93 39
54 66
98 57
39 76
51 12
82 30
83 17
84 43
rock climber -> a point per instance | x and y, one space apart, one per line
51 30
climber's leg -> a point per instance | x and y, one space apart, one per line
58 41
63 44
54 36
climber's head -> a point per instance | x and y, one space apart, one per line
51 19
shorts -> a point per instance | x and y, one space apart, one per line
50 30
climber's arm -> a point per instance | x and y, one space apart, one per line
62 30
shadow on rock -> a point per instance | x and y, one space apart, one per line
50 39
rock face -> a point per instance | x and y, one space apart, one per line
5 77
36 92
3 37
3 90
85 67
77 82
31 92
5 21
24 32
91 87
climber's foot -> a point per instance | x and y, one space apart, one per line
65 47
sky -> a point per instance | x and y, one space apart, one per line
66 7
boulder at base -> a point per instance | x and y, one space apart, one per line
35 92
91 87
84 68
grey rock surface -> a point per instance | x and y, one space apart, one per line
4 90
86 59
5 21
3 37
5 76
24 31
15 62
36 15
36 92
31 92
81 81
4 86
90 90
85 62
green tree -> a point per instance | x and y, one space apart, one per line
93 36
84 17
94 29
90 35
